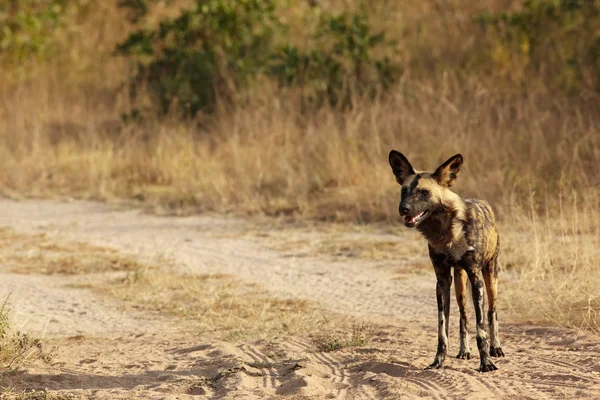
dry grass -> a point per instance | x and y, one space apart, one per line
17 348
221 305
64 136
332 165
552 265
225 308
38 395
39 254
332 340
341 247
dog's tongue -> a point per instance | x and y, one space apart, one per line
413 219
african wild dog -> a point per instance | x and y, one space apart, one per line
461 234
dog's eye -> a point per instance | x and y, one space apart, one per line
424 193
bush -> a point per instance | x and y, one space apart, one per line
559 39
26 27
211 48
218 46
342 63
16 348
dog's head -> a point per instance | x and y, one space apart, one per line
422 192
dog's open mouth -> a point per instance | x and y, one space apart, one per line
413 221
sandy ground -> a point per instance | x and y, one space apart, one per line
109 351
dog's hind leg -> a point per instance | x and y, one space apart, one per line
460 288
483 343
490 275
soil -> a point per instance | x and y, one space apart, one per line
110 351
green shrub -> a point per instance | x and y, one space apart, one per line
342 62
218 46
26 27
558 38
211 48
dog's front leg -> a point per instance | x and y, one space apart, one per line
444 281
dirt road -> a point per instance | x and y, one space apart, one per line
110 351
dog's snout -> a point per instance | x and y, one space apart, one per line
404 209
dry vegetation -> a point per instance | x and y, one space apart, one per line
36 395
227 309
551 264
532 152
222 306
63 133
38 254
361 335
341 247
17 348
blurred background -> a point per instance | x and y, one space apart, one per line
290 107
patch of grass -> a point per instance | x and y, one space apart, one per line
360 335
37 253
219 304
38 395
338 245
18 348
552 263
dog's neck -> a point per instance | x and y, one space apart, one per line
444 228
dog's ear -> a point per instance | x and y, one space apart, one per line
400 166
447 173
